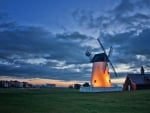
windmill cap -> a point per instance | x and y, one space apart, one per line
101 57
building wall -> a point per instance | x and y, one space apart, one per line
129 85
143 86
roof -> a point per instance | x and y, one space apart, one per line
139 79
101 57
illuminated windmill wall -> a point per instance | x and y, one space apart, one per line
100 72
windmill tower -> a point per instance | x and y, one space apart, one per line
100 70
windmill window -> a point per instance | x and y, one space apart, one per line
109 81
94 81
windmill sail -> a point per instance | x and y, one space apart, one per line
108 56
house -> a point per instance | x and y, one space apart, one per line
4 84
14 84
25 85
137 82
50 85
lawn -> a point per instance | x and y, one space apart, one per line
72 101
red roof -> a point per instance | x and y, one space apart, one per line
139 79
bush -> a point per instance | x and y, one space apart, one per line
77 86
86 84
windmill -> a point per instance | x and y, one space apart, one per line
100 70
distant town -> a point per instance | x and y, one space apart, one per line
18 84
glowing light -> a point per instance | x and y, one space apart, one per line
100 75
118 80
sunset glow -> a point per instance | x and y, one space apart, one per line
40 81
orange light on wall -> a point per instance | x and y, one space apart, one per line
100 75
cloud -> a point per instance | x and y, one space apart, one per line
126 27
126 16
130 49
28 51
124 8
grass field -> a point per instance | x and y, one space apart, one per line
72 101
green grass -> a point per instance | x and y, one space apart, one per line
72 101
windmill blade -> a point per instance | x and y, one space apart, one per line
110 51
88 53
101 45
113 68
104 52
105 65
107 58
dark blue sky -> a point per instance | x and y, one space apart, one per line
53 14
47 39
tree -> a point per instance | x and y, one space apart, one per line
77 86
86 84
70 87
